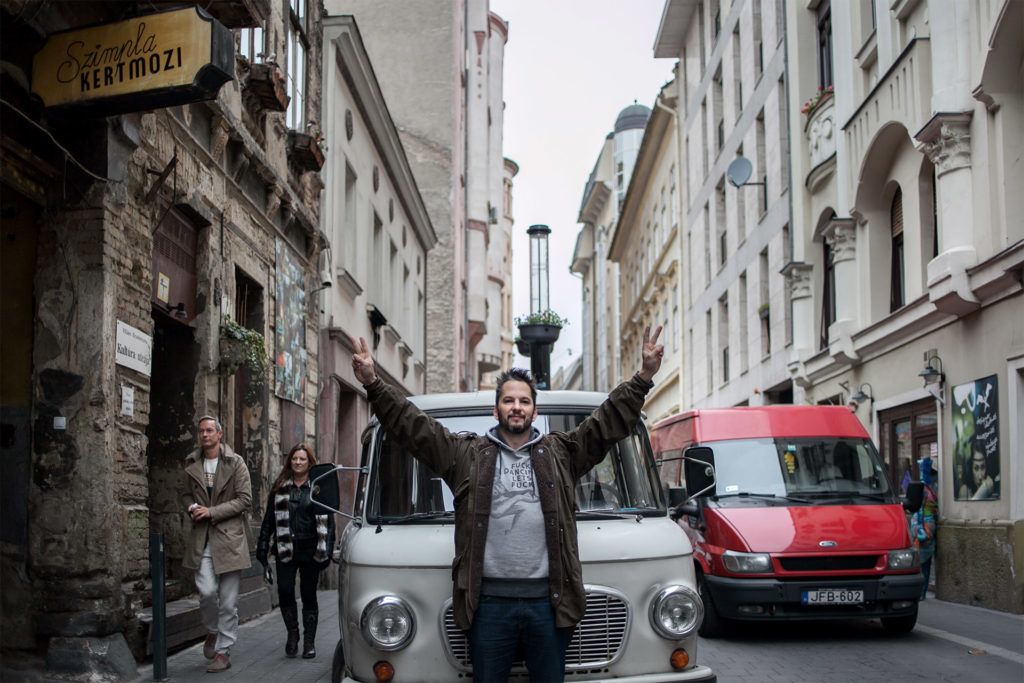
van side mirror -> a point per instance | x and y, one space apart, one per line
699 469
326 493
915 496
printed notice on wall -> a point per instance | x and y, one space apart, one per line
127 401
134 349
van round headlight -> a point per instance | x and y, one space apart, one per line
387 623
676 612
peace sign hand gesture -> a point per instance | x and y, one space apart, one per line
362 363
651 354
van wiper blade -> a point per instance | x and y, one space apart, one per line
602 513
840 495
416 517
747 494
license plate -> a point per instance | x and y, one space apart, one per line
833 596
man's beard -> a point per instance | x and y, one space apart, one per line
506 424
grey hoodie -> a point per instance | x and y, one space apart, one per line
515 547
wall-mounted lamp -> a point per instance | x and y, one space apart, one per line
933 377
932 373
863 393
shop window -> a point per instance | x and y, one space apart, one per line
908 433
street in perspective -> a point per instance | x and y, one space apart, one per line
651 341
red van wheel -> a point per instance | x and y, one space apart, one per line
714 625
897 625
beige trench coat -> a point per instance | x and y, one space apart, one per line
228 525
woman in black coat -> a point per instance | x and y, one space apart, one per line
301 537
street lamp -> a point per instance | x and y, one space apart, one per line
539 294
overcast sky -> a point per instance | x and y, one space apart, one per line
570 67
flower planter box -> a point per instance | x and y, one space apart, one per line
539 334
304 151
266 84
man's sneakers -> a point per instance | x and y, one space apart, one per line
220 663
210 646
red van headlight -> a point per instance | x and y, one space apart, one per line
747 563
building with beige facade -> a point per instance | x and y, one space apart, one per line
908 129
603 195
729 98
645 246
439 66
380 235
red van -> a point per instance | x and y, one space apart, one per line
803 522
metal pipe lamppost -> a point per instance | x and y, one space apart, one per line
538 332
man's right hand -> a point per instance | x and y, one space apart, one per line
362 363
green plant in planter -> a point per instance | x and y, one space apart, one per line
545 317
241 346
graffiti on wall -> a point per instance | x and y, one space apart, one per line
289 327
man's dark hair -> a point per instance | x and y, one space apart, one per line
515 375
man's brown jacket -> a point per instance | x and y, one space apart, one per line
466 462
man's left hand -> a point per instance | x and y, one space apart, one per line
651 354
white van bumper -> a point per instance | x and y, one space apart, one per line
699 673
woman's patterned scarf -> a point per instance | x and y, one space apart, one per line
283 530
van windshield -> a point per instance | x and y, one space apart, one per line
404 490
804 468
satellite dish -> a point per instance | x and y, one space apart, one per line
739 171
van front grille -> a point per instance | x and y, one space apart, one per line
596 642
825 563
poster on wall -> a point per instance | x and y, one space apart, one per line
976 439
289 327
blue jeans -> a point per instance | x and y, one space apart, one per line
505 627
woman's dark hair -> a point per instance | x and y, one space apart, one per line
286 469
515 375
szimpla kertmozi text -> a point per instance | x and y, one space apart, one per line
107 65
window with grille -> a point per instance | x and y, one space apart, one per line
251 44
897 276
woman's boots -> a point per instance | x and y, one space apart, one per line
291 622
309 622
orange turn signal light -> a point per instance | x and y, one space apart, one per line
383 671
679 659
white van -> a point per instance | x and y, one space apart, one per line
395 571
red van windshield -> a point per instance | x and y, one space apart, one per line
801 467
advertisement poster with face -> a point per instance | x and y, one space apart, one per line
976 440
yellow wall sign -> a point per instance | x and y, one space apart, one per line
150 61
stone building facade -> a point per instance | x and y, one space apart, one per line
133 241
374 283
731 102
440 68
907 129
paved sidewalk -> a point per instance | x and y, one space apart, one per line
259 653
946 635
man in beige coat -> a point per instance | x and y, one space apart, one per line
217 498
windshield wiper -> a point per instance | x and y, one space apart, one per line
747 494
602 513
840 495
415 517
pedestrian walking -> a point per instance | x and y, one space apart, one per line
924 522
217 497
301 539
517 578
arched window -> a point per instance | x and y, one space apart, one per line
897 273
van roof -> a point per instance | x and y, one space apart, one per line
485 399
749 422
